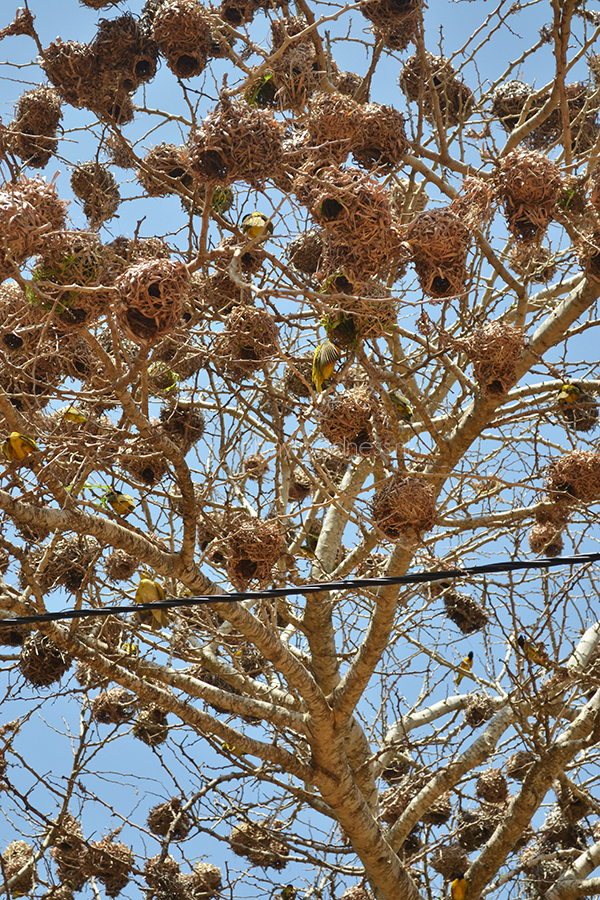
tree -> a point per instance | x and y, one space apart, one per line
163 436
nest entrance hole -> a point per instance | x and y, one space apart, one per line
187 65
331 209
440 286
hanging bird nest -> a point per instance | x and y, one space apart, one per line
252 662
582 106
182 30
125 56
439 241
360 318
296 71
555 512
88 678
557 830
404 503
519 764
41 662
251 259
450 859
494 349
355 423
71 562
183 423
69 853
165 170
456 101
71 67
347 83
533 263
476 826
395 21
118 151
218 291
252 549
111 863
474 203
332 124
250 337
96 186
17 855
582 414
168 819
573 806
207 880
165 881
151 726
465 612
380 141
260 843
114 706
576 474
238 12
30 211
59 892
13 636
529 184
255 466
237 143
333 466
301 486
151 296
304 252
546 540
491 786
480 708
129 251
73 257
32 134
397 769
508 101
297 377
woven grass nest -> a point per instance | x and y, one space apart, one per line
491 786
16 855
347 266
583 109
41 662
332 123
165 170
143 462
260 843
111 863
396 798
465 612
295 74
184 423
237 142
380 141
439 242
297 377
355 423
304 252
30 210
573 807
546 540
114 706
456 100
71 562
151 726
508 101
251 259
32 134
250 337
476 826
96 186
125 55
396 21
238 12
576 474
480 708
69 852
494 349
450 860
182 31
533 263
334 466
207 880
474 203
360 318
151 297
405 503
252 548
529 185
73 257
519 764
582 415
168 817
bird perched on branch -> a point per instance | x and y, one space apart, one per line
72 414
465 666
288 893
256 224
150 591
18 446
534 653
458 887
121 504
324 362
232 750
401 404
569 393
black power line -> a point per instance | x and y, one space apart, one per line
346 584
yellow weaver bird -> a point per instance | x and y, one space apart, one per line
121 504
288 893
458 888
233 751
256 224
534 653
569 393
465 666
17 446
72 414
403 407
150 591
324 362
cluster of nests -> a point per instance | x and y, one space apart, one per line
117 706
355 423
251 549
516 101
431 81
166 881
260 843
573 477
462 609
